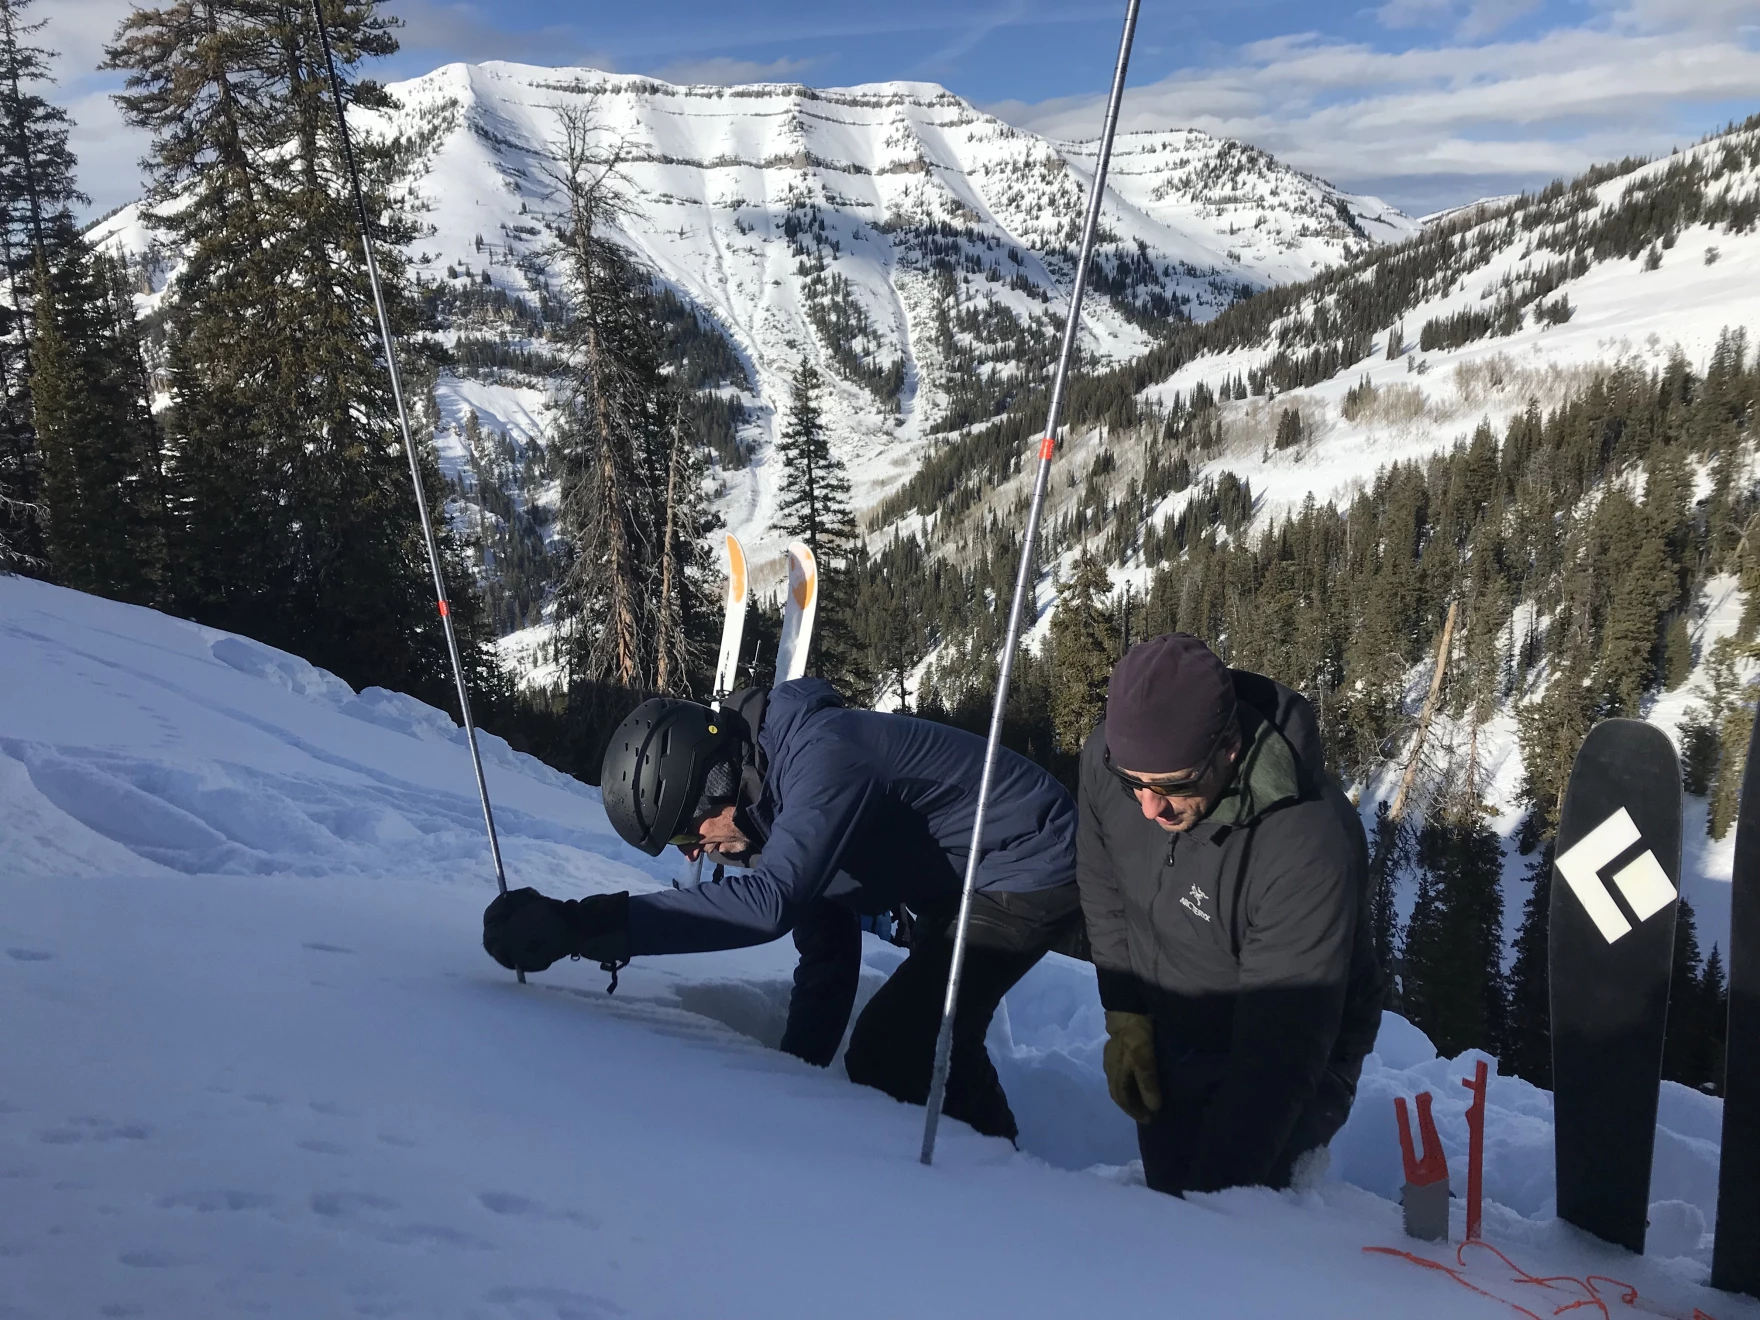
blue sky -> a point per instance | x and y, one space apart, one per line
1427 102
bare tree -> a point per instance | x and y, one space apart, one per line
12 558
617 402
669 643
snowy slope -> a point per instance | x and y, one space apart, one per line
805 223
1621 311
258 1064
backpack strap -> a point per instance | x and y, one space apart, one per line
748 705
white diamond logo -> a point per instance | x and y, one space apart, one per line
1643 883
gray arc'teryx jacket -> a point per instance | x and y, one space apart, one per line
1246 938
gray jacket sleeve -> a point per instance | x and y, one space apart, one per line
1102 903
1294 968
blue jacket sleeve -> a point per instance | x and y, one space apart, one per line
823 794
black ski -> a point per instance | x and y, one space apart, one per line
1616 879
1735 1260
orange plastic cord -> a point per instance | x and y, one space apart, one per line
1570 1292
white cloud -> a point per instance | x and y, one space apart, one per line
1484 17
1472 20
79 30
724 71
1446 121
109 153
435 31
979 29
1414 13
107 149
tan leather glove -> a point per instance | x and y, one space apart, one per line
1129 1060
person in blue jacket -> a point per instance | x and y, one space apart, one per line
833 814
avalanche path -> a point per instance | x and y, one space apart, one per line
256 1063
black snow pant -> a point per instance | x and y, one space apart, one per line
828 937
1188 1081
892 1047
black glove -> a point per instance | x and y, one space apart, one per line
525 932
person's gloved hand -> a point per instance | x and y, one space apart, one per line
1129 1060
525 932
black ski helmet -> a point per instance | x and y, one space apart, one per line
655 766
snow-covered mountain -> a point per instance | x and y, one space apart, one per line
916 249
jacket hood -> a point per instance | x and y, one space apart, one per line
789 704
1281 760
1292 715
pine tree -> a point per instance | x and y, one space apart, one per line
1677 652
1526 1050
37 192
1699 753
1686 1050
96 431
292 518
1733 734
1645 586
1453 987
1388 848
1551 732
1083 648
688 592
889 617
1714 1005
1289 428
813 506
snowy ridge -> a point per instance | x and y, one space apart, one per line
893 234
1622 310
260 1064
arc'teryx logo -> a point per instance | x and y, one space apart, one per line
1642 882
1192 900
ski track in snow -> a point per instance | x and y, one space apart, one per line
258 1064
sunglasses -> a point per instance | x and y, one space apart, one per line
1191 785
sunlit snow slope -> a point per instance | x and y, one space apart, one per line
1638 309
257 1064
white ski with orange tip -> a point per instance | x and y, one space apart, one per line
733 622
798 613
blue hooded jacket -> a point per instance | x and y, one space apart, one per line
866 810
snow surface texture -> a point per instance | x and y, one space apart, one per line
258 1064
754 202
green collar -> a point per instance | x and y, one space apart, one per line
1266 777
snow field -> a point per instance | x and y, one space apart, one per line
258 1063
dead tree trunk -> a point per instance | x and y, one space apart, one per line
1426 713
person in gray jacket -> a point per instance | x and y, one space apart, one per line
1223 875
